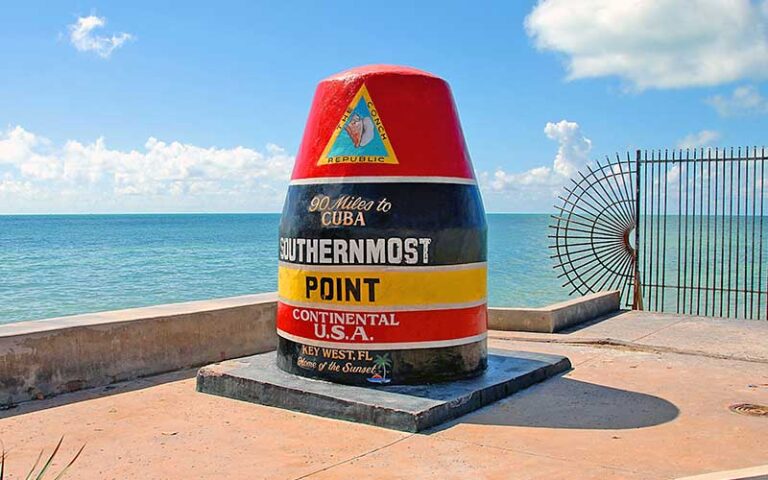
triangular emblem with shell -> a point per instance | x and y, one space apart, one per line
360 136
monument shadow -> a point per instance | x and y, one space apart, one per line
567 403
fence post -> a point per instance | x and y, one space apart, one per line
637 301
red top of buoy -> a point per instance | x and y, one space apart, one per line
378 70
383 120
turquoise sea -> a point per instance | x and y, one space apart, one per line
54 265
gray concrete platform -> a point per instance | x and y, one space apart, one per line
407 408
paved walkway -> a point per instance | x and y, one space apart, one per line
714 337
648 398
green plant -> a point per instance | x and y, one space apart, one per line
381 361
41 473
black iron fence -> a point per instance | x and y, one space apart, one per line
675 231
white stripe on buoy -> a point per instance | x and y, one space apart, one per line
327 180
388 308
384 346
382 267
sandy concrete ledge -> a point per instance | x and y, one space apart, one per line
554 318
47 357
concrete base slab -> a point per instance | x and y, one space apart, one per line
407 408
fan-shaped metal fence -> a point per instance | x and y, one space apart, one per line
594 230
681 231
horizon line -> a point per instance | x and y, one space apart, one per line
39 214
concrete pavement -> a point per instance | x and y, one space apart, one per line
648 398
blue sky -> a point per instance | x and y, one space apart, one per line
191 106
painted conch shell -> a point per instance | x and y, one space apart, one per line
360 130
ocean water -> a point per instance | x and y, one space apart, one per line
54 265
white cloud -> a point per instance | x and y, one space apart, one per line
700 139
162 176
534 189
745 100
15 187
656 43
84 39
574 149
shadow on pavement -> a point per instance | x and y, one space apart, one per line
567 403
96 392
588 323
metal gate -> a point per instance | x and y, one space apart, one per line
675 231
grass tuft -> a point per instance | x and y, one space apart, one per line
41 474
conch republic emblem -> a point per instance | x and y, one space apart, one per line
360 136
382 262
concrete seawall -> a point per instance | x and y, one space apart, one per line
42 358
47 357
556 317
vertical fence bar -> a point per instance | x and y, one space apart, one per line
751 262
745 187
690 198
664 243
653 272
684 262
701 230
694 165
679 229
752 311
648 231
709 227
631 196
730 234
714 256
637 303
659 251
738 231
722 240
762 215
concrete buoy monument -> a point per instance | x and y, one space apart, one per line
382 280
382 275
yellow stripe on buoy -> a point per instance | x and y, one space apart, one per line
382 288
